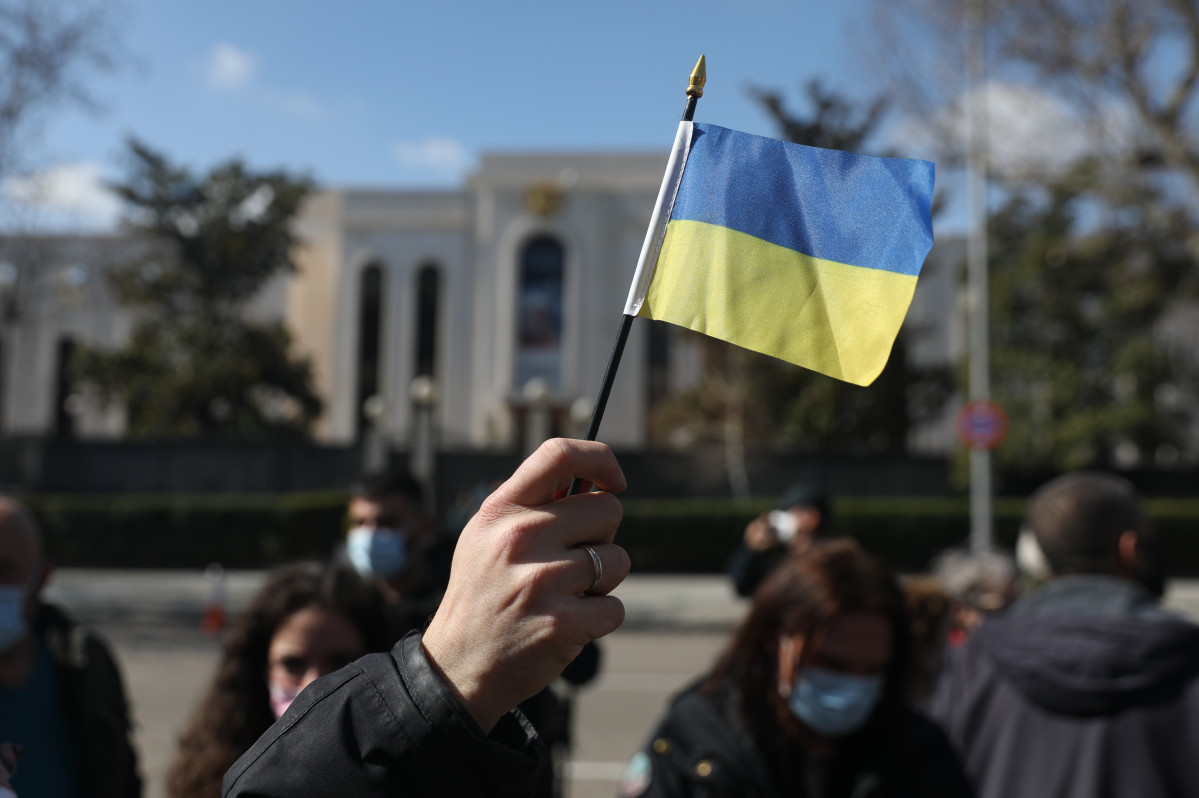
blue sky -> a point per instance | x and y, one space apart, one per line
404 94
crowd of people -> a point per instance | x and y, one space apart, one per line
412 663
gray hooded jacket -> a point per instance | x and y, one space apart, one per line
1085 687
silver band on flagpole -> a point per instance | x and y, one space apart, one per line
661 216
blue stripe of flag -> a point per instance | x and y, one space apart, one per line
855 209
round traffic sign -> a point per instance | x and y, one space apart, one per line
981 424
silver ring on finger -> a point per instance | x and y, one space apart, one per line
598 565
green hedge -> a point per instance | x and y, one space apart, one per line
661 535
242 531
697 536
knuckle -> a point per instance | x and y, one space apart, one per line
518 532
494 507
610 505
558 451
610 618
623 563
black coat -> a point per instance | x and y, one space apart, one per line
385 726
1083 688
701 750
97 706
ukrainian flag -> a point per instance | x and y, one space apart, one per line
805 254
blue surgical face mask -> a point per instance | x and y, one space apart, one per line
377 552
834 704
13 626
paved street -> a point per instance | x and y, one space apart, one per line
675 626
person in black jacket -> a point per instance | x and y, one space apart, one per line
802 513
391 540
528 589
61 694
1086 686
807 700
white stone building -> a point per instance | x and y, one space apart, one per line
505 293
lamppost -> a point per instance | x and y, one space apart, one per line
423 393
537 417
374 448
580 416
981 538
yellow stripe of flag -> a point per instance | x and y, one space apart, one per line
827 316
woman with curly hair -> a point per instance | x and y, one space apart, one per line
307 620
808 698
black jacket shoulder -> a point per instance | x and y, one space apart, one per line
700 750
96 702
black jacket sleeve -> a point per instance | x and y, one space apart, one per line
748 568
387 725
96 702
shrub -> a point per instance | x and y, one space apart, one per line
661 535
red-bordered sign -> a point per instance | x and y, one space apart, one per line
981 424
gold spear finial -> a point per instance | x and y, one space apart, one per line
699 76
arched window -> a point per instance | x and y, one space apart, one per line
370 337
539 312
428 297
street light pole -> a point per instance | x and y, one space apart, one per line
981 535
423 393
374 447
537 414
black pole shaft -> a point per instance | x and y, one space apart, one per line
601 401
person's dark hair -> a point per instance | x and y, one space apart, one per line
802 595
1078 519
378 485
236 709
803 494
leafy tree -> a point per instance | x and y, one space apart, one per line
197 364
1075 356
747 400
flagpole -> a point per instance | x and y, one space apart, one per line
695 90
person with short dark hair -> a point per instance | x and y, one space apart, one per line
1085 686
802 513
61 693
807 699
392 540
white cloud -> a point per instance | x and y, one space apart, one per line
229 68
435 153
64 196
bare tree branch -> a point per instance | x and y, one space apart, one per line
49 49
